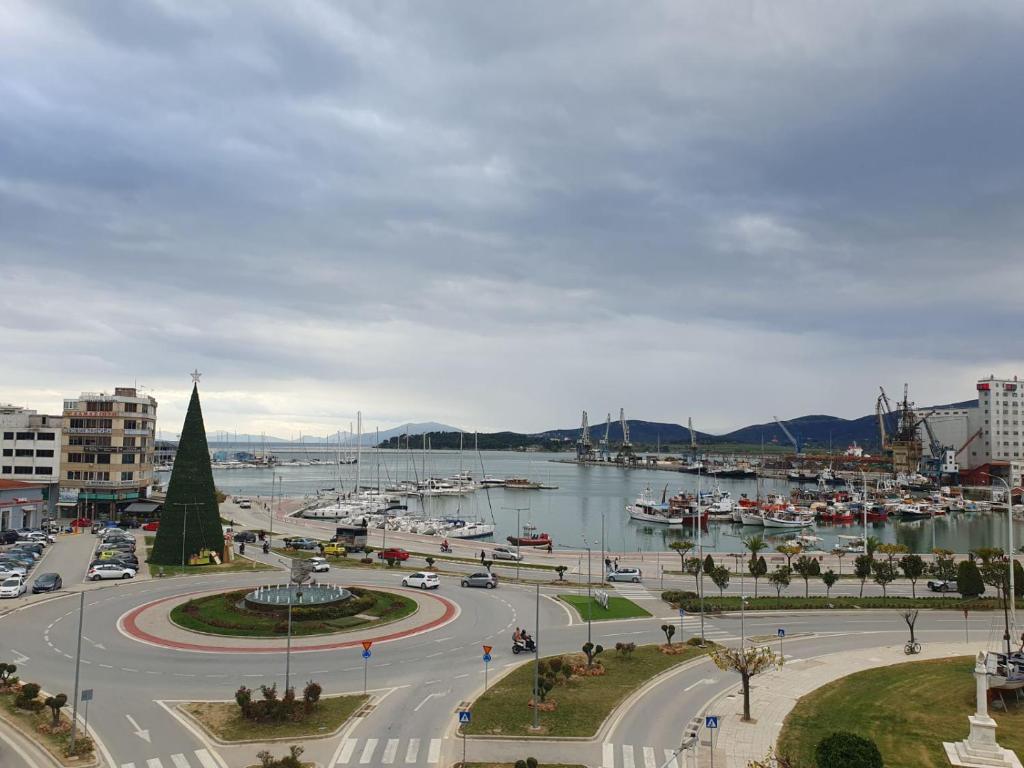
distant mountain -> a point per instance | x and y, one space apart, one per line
345 437
646 432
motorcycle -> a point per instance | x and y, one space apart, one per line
524 647
446 550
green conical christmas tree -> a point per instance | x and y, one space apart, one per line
190 513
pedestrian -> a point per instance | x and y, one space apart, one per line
550 548
241 548
616 563
483 557
607 564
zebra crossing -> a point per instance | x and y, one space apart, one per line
202 757
631 756
634 591
391 751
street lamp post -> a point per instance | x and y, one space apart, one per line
1011 595
78 663
536 664
700 568
590 600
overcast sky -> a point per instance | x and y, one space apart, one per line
495 215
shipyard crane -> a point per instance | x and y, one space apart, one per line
625 454
604 446
583 445
970 440
693 438
796 443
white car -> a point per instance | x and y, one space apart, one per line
13 587
504 553
423 580
626 574
8 571
320 565
110 571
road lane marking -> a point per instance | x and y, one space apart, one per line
154 762
368 750
127 765
346 751
206 759
426 698
179 761
389 752
412 751
649 761
627 756
434 752
607 755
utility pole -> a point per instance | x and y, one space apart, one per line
519 532
536 665
700 568
590 600
78 665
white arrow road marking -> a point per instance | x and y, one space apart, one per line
94 643
704 681
140 732
427 698
19 657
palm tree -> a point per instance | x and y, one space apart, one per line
755 544
840 553
871 545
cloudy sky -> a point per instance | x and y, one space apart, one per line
495 215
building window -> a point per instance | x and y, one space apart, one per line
127 475
128 458
7 470
26 436
44 471
23 451
45 453
8 435
23 470
8 451
51 436
131 407
99 405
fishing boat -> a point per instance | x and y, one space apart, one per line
751 516
851 544
531 540
787 519
521 484
647 510
913 510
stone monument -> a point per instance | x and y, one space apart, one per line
979 749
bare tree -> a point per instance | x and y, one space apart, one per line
748 662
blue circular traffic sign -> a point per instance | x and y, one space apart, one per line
487 658
366 654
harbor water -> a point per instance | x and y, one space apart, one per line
588 504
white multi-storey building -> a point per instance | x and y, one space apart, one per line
29 445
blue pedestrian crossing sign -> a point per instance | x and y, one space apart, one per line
366 653
682 613
487 658
782 632
711 721
464 715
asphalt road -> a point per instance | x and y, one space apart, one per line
418 681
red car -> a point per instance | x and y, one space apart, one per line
154 526
82 522
393 553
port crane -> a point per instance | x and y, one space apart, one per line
693 439
626 449
797 445
584 449
604 446
883 410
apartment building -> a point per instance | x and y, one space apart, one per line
107 450
29 445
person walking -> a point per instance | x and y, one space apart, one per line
483 557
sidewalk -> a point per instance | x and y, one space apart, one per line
774 694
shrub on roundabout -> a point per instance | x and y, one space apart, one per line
847 750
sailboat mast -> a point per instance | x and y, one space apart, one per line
359 441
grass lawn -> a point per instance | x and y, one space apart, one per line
219 614
618 608
908 709
28 724
583 702
223 719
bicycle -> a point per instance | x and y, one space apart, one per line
911 648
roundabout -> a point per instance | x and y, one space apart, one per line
179 622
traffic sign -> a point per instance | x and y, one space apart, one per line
487 648
87 694
711 721
366 654
464 715
367 644
487 658
782 632
682 613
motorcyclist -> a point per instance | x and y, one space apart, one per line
517 636
445 547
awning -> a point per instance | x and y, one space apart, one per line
67 503
141 507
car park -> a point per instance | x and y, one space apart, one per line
319 565
47 582
480 579
393 553
13 587
422 580
943 585
504 553
626 574
110 571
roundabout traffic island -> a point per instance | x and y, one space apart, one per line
315 610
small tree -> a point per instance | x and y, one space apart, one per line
944 565
670 631
910 616
988 554
6 670
591 651
758 568
996 573
891 550
871 546
968 579
55 703
779 579
560 570
311 695
1018 579
709 565
913 568
755 545
682 548
847 750
805 566
840 553
430 561
829 578
748 662
884 574
26 698
693 567
862 569
790 551
626 649
720 576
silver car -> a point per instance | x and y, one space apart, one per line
626 574
480 579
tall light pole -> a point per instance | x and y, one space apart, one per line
519 532
78 665
1012 596
700 568
864 480
536 664
590 600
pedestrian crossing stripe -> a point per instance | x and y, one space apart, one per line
390 754
179 760
637 757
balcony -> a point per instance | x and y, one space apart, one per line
86 430
143 432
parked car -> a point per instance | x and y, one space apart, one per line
8 537
17 561
943 585
110 571
152 526
480 579
13 587
626 574
47 582
246 536
504 553
40 537
393 553
131 562
320 565
300 543
81 522
27 551
337 550
8 571
423 580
